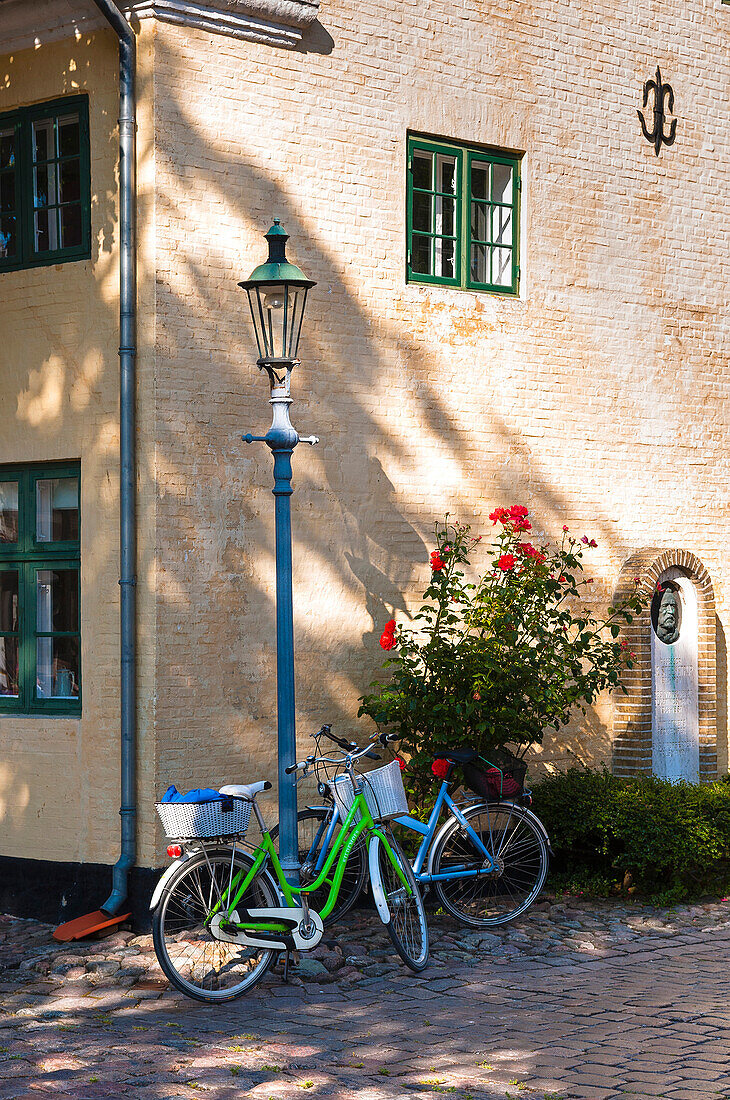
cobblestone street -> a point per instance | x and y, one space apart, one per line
589 1002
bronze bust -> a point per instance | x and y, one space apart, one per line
666 614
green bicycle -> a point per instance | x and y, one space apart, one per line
223 913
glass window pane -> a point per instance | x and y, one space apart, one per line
8 237
7 192
57 509
9 679
57 668
57 599
45 186
445 220
70 225
9 610
8 512
446 174
479 180
480 221
69 132
502 225
422 205
421 254
502 266
42 236
502 183
43 143
445 258
70 172
480 263
7 148
423 170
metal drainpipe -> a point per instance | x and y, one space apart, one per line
127 517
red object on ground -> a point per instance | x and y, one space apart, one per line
87 925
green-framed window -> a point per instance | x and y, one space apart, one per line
45 189
40 589
463 216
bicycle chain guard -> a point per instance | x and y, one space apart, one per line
302 936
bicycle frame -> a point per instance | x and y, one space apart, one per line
427 831
266 852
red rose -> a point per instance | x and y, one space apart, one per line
500 515
387 638
565 527
437 562
521 524
401 763
506 562
518 511
440 768
593 543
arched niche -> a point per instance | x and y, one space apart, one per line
642 713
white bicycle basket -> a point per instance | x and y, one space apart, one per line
184 820
383 790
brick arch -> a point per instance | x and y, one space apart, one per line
632 712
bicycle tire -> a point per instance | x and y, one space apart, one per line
519 846
309 820
407 926
210 971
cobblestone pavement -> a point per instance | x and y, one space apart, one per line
587 1002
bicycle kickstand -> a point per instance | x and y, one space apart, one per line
287 957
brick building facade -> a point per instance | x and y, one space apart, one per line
593 388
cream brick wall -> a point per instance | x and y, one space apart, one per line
599 398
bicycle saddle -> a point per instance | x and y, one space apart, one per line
246 790
461 756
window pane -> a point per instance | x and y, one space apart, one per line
480 263
7 148
480 180
502 266
57 668
57 599
502 225
43 144
45 186
445 220
422 205
8 513
446 174
9 680
42 236
70 225
421 254
423 170
8 237
480 221
502 183
70 171
9 600
57 510
68 136
445 258
7 192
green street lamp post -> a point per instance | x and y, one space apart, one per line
277 293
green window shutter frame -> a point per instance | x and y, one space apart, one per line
464 156
23 120
28 556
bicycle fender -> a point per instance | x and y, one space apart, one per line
449 824
381 902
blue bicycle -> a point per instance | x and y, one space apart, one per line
486 861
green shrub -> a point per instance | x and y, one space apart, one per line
663 841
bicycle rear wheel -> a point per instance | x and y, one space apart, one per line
517 846
196 962
407 925
313 822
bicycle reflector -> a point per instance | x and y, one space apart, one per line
174 851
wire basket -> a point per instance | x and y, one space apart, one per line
184 820
383 790
501 776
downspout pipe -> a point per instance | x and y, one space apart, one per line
127 496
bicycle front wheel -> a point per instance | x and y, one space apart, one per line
406 925
519 850
195 962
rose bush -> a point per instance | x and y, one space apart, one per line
500 659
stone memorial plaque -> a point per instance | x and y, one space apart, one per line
675 680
